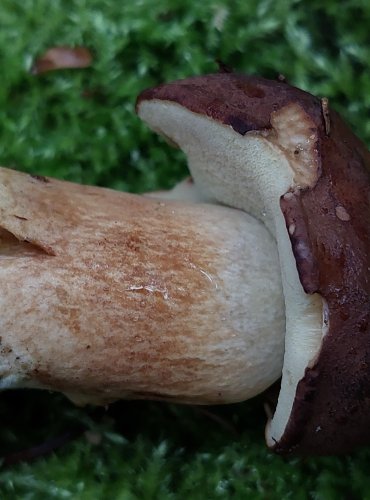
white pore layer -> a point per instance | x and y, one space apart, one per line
250 173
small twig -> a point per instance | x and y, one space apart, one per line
40 450
268 411
326 114
216 418
223 67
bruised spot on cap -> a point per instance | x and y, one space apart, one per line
253 91
240 125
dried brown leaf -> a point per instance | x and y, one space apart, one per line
62 58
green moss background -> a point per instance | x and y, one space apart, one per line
80 125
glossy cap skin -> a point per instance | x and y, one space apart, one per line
327 220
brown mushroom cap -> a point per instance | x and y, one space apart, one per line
280 154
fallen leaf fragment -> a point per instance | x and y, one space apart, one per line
62 58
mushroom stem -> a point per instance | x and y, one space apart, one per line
107 295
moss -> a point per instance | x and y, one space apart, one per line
80 125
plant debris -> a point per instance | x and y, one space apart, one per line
39 451
62 58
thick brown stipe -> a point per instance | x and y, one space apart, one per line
106 295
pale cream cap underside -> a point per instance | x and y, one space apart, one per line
252 172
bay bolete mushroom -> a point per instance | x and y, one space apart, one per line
107 295
281 155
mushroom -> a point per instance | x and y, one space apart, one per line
281 155
107 295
